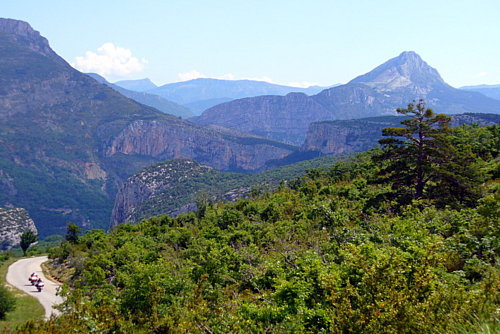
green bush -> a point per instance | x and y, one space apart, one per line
7 302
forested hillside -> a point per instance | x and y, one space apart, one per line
372 245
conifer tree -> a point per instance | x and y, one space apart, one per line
420 163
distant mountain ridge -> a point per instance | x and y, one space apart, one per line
492 91
155 101
208 92
140 85
391 85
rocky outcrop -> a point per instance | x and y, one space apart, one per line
171 188
391 85
13 223
351 136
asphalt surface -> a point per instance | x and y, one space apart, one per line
18 275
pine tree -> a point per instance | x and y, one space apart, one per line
420 163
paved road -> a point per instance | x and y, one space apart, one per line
18 275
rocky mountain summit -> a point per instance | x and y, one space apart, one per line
407 71
13 223
391 85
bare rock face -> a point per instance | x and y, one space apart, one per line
13 222
165 140
21 32
283 118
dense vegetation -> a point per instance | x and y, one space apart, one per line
336 251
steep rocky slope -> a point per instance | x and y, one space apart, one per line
13 223
350 136
174 186
68 142
391 85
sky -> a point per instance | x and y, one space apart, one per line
300 43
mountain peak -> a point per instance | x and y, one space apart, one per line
19 28
22 33
407 70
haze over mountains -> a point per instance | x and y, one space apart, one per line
203 93
152 100
492 91
141 85
391 85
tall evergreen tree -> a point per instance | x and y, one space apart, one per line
419 161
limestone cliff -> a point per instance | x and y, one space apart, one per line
13 222
165 140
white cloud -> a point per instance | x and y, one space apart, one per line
110 61
191 75
194 74
303 84
481 74
265 79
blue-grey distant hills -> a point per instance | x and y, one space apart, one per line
391 85
139 85
204 93
152 100
492 91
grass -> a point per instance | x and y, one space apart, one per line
27 307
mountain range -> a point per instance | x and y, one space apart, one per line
203 93
391 85
68 142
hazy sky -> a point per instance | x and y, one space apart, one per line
300 42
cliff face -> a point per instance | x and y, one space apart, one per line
164 141
13 223
282 118
351 136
